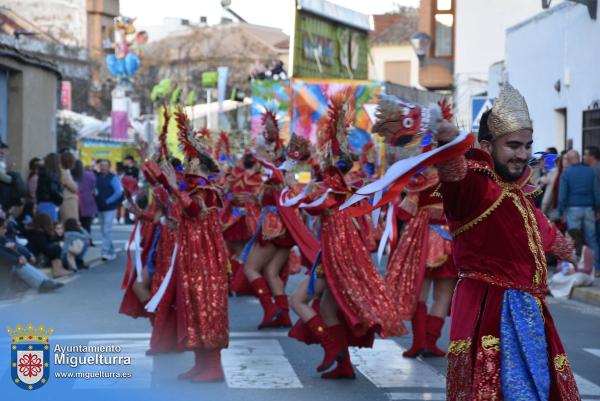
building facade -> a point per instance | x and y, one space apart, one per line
553 59
391 56
29 86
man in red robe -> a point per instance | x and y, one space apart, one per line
503 342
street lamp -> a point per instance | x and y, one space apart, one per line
420 42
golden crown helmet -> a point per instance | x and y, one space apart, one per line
509 114
30 333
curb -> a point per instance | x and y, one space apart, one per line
588 295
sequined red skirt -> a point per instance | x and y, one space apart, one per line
243 227
358 288
421 252
202 283
164 328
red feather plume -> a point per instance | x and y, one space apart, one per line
183 130
446 109
340 116
223 142
163 150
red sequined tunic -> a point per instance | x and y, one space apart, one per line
422 250
241 212
500 240
352 278
202 266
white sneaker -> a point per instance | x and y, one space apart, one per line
109 257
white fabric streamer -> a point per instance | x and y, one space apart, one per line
292 201
377 212
155 300
398 169
138 252
317 202
387 232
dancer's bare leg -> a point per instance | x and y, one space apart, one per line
257 260
300 299
442 296
329 309
236 248
273 269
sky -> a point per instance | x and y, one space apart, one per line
275 13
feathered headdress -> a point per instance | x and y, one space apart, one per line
271 128
446 109
298 150
222 148
163 150
402 123
192 143
332 140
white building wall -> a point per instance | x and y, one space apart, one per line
479 42
382 54
66 20
562 43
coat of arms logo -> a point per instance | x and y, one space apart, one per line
30 356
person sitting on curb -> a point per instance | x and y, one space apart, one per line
76 243
19 258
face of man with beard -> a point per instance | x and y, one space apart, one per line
511 153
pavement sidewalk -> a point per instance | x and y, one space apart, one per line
589 295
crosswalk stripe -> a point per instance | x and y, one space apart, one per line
141 367
593 351
385 366
140 336
416 396
258 364
586 387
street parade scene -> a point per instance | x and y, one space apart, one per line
300 200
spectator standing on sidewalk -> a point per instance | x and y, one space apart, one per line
32 178
108 199
591 157
86 180
49 191
579 200
69 209
131 170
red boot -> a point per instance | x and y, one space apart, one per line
212 371
333 340
195 370
272 311
284 319
434 330
239 283
343 370
419 322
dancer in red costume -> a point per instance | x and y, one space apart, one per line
202 263
137 290
267 253
354 304
164 323
240 215
423 257
503 342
